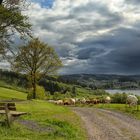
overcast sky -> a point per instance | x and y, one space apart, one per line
90 36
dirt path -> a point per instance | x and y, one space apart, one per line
108 125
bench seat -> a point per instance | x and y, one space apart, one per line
13 113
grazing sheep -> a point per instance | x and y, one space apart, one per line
83 100
69 101
88 101
107 100
72 101
66 102
95 101
92 101
132 100
59 102
77 100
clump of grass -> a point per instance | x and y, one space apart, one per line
62 129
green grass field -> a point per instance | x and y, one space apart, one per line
6 93
45 121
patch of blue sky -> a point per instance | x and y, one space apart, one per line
45 3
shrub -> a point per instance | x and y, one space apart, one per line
119 98
73 92
58 95
40 93
53 86
138 99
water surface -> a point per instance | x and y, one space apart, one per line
113 91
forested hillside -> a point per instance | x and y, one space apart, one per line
65 82
102 81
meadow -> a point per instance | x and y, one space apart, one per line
43 121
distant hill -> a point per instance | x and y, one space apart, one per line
103 81
101 77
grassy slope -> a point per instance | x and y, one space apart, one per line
11 86
9 93
60 123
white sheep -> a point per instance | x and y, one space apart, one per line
132 100
83 100
69 101
72 101
108 99
59 102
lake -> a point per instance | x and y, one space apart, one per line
113 91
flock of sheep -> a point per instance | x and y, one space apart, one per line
131 100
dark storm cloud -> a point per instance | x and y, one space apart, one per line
86 53
123 61
125 56
122 37
65 50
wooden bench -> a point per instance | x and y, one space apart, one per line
9 109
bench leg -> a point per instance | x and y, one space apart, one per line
9 119
8 116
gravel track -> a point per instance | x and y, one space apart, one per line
108 125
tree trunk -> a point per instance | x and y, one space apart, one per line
34 90
34 86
